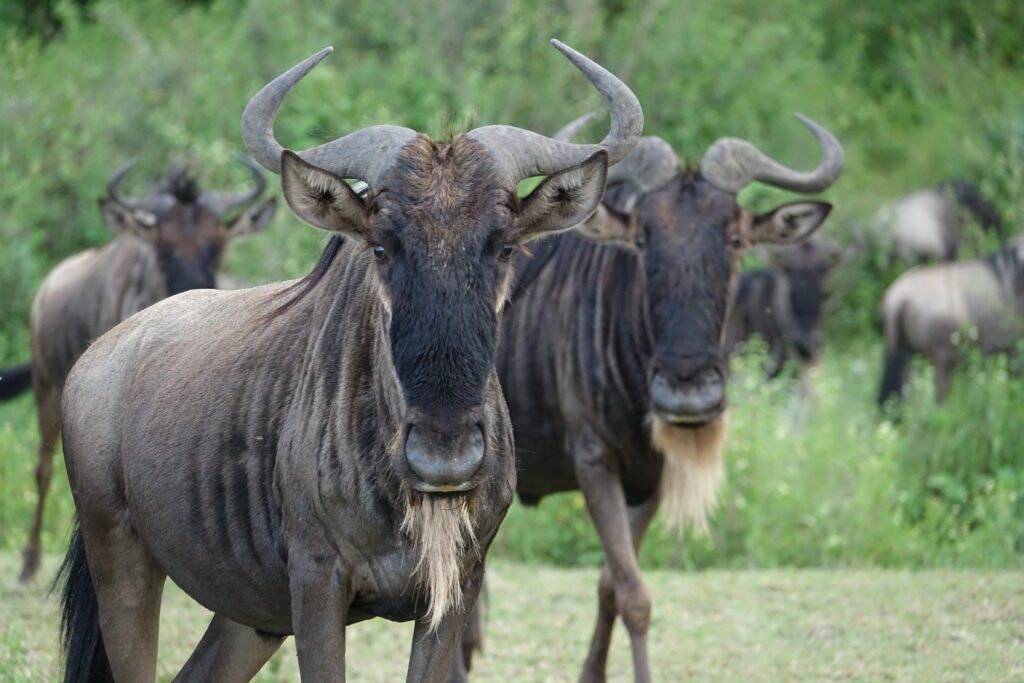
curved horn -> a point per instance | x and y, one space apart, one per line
651 164
523 153
223 202
364 154
731 164
567 132
115 181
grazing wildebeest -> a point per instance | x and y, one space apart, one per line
931 310
783 303
927 224
168 242
305 455
611 358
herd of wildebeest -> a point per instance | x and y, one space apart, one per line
304 455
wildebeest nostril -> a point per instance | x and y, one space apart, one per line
444 461
697 398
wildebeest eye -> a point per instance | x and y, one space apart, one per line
507 251
735 241
379 252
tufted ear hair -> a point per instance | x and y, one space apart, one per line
564 199
321 198
789 223
122 219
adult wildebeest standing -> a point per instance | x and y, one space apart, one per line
302 456
783 303
931 310
927 224
611 358
169 241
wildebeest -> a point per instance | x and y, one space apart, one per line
783 303
932 310
927 224
611 352
305 455
169 241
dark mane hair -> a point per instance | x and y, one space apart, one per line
298 291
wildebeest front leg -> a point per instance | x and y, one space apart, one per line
229 652
432 652
48 405
640 518
320 600
470 640
945 364
602 489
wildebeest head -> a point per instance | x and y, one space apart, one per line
442 221
689 231
187 228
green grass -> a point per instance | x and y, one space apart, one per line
869 625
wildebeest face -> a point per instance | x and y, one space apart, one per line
441 228
690 239
689 235
188 237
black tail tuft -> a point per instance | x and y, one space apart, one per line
85 659
897 358
969 196
15 381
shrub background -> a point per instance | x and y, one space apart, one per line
918 91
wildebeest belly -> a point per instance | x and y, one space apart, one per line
544 467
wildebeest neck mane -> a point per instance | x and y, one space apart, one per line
307 284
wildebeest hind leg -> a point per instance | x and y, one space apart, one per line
229 652
48 404
128 588
602 489
639 520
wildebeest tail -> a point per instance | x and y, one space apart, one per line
85 659
897 358
969 197
14 381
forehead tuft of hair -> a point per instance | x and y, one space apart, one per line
444 175
181 183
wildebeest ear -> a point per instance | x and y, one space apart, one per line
608 225
564 199
253 219
789 223
123 219
321 198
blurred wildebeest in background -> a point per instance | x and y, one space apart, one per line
932 310
611 351
927 225
783 303
306 455
169 241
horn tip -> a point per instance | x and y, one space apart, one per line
563 48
